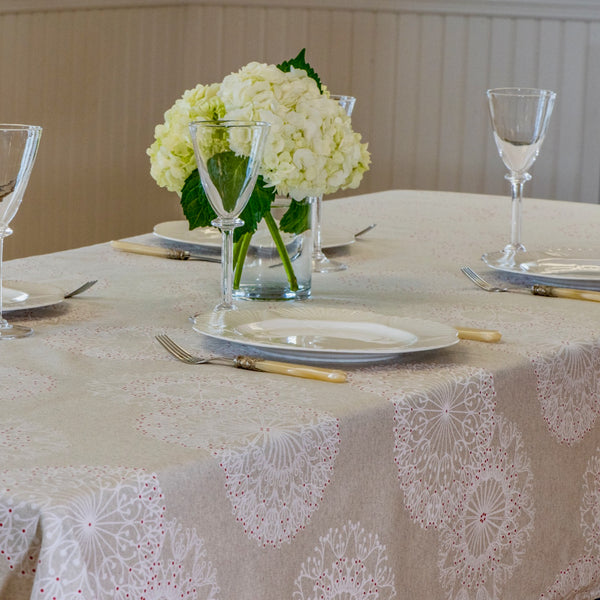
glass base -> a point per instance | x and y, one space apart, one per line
508 258
266 291
322 264
12 332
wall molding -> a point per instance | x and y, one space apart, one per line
587 10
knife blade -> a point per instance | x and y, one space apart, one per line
161 252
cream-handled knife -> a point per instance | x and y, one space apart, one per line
479 335
560 292
161 252
282 368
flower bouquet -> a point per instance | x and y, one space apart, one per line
311 149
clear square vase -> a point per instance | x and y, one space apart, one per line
276 265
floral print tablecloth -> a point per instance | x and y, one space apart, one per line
470 473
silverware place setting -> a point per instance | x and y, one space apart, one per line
536 290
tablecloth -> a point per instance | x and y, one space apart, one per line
468 473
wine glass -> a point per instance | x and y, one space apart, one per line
18 149
228 155
520 118
322 264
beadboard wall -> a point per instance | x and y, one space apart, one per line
98 76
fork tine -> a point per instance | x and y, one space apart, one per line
476 279
177 351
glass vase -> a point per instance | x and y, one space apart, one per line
276 265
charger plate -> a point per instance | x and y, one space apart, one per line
179 231
23 295
317 334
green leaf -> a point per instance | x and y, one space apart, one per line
300 63
228 174
199 212
195 204
258 205
296 218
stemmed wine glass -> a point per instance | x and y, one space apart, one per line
520 118
228 155
322 264
18 149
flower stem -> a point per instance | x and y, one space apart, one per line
241 249
285 259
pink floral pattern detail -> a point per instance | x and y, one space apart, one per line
568 386
22 384
25 439
102 529
481 549
590 506
347 563
182 569
579 581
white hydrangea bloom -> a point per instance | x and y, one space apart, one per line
172 154
311 148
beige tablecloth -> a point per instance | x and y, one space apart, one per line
470 473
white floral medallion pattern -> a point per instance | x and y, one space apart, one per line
568 384
182 569
277 458
102 527
481 549
590 505
440 438
443 422
579 581
349 564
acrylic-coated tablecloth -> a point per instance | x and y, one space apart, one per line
470 473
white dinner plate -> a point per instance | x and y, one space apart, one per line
326 334
23 295
567 266
178 231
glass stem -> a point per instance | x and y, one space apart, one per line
316 212
3 321
516 186
227 267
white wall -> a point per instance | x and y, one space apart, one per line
98 75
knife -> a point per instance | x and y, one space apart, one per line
282 368
161 252
560 292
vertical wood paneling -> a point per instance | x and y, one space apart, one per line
475 113
570 121
590 147
406 100
99 80
546 169
428 116
453 97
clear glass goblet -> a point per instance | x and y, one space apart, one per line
18 149
520 118
322 264
228 155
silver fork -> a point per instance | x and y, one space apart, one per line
253 364
82 288
180 353
482 283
